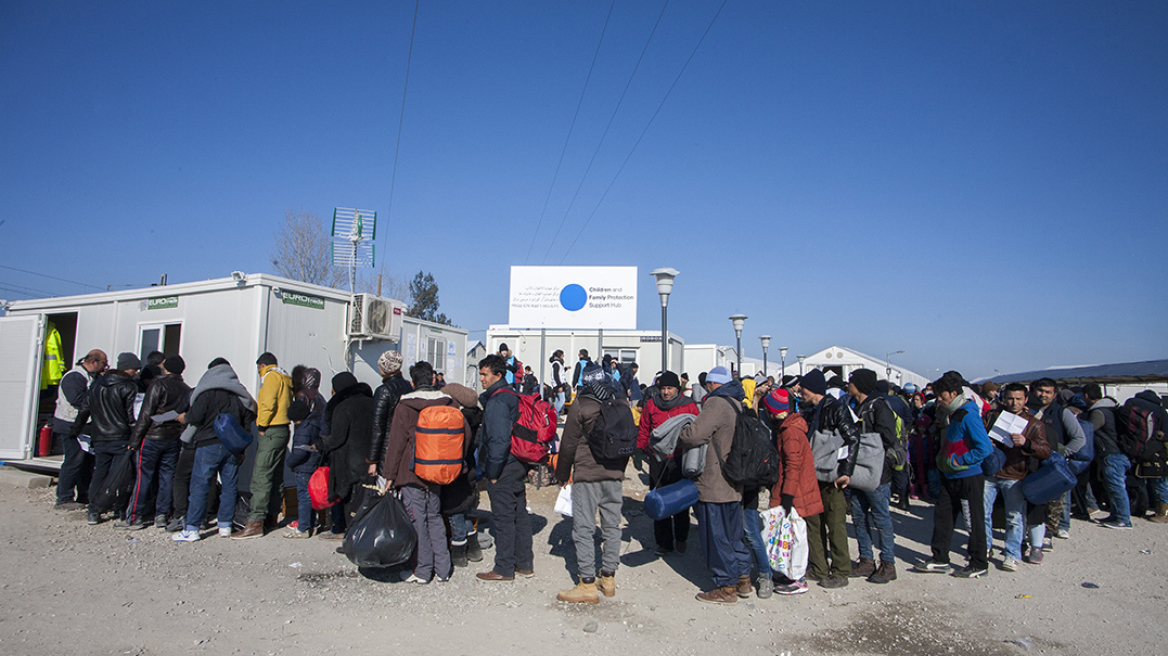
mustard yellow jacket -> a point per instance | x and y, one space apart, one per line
275 397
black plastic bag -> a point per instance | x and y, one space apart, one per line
114 493
382 534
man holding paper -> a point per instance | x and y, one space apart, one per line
1027 439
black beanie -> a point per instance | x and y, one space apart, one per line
813 381
343 381
174 364
669 379
864 380
298 411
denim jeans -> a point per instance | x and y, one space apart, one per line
752 527
305 513
1160 490
157 459
559 402
870 515
1015 503
461 527
720 534
210 460
1115 468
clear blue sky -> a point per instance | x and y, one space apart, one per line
984 185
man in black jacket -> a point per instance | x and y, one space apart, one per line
507 475
156 437
393 387
111 416
826 415
349 418
870 510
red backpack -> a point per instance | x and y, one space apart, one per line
534 430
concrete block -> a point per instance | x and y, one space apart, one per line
24 479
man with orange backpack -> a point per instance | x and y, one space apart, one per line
426 449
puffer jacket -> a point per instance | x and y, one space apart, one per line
500 411
796 469
398 463
829 415
167 392
575 460
275 397
653 416
1018 458
714 426
385 399
111 407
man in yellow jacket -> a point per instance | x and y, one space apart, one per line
267 478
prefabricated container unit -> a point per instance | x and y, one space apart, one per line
235 318
535 348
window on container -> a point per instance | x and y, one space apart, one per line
436 353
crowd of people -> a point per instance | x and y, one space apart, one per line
936 447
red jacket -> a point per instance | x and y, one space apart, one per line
652 417
796 469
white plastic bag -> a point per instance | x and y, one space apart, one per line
564 501
785 538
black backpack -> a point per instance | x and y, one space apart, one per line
753 461
614 434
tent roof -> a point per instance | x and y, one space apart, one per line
1124 372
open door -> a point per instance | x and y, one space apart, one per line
20 359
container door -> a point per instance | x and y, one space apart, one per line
20 357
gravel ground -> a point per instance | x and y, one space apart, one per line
69 588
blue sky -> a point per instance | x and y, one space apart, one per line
984 185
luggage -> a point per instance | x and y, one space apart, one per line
318 485
785 539
869 464
382 534
1052 480
614 435
233 436
671 499
825 449
439 442
753 461
534 430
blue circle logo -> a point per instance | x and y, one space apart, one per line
573 297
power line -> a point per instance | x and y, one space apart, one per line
45 275
603 136
643 132
402 117
13 287
560 163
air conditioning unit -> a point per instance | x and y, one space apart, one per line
372 317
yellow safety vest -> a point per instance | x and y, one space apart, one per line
53 369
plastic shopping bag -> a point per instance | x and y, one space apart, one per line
564 501
382 534
785 538
318 492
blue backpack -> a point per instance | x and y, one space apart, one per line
233 436
1081 459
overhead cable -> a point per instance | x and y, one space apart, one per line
45 275
401 117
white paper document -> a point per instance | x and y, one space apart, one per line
1007 424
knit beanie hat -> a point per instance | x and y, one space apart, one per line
669 379
390 362
174 364
777 402
298 411
719 375
813 381
128 361
343 381
864 380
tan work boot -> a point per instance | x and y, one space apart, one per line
583 593
744 588
727 596
252 530
607 584
1161 516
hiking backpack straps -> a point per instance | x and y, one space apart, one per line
534 430
753 461
613 435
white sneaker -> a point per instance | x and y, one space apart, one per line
225 531
1010 564
186 536
414 578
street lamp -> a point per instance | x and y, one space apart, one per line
801 359
739 320
664 278
766 342
783 359
888 363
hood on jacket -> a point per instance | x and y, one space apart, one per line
732 389
1150 397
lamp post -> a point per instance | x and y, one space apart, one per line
783 361
664 278
801 359
888 363
739 320
766 342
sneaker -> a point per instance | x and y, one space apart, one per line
414 578
1062 534
765 587
225 531
295 534
69 505
833 582
933 567
798 587
1010 564
1034 557
93 518
1047 544
186 535
176 525
160 521
131 526
970 572
329 535
525 573
1115 523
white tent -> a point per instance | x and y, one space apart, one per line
843 361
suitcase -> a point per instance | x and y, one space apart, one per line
1052 480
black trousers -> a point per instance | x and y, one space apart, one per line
104 456
948 508
667 532
76 471
508 496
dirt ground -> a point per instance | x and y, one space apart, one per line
69 588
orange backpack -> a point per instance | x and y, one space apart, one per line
438 444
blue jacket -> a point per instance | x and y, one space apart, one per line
303 460
500 411
966 441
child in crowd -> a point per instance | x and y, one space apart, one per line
921 456
303 461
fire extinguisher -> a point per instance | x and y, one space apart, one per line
45 444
